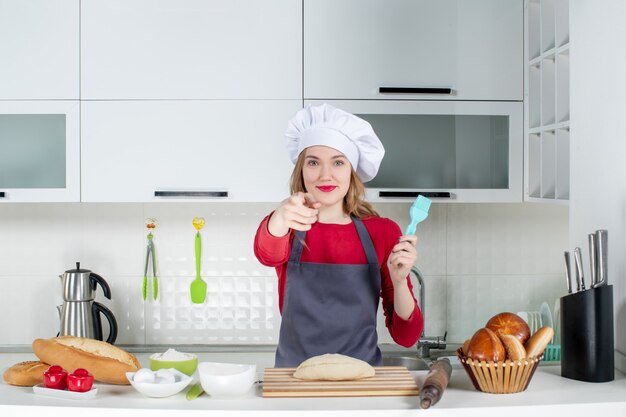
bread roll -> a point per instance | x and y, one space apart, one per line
466 346
538 342
513 347
486 346
106 362
509 323
333 367
25 374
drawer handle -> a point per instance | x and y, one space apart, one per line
192 194
413 194
417 90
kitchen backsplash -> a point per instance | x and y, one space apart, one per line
477 260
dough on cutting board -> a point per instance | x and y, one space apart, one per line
333 367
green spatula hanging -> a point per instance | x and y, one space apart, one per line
198 286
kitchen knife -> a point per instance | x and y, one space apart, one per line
568 272
602 242
578 263
593 259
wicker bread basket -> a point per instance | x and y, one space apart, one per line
503 377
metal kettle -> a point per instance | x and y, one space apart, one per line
79 313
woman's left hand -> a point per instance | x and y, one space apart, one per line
402 258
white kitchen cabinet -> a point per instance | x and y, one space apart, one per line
352 48
39 49
193 49
450 151
39 151
547 124
136 151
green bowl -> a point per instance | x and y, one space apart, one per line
187 367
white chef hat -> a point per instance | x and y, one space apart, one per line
323 124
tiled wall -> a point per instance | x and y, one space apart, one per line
477 260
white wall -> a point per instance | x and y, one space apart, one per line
598 135
477 259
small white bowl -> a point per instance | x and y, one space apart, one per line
155 390
187 366
223 380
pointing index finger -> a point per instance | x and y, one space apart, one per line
310 201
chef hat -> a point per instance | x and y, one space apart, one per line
323 124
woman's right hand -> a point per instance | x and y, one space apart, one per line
297 212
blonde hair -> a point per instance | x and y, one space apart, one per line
354 203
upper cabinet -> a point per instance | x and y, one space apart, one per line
547 124
196 49
185 150
39 150
451 151
39 49
413 49
140 100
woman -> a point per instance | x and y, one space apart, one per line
333 254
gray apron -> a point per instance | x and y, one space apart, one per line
330 308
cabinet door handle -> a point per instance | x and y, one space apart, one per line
192 194
2 194
413 194
417 90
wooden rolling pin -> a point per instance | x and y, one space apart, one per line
436 382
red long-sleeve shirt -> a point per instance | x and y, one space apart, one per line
340 244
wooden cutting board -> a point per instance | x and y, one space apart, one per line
388 381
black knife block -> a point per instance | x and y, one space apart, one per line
587 345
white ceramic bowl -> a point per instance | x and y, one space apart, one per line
222 380
187 366
151 389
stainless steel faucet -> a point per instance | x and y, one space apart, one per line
425 344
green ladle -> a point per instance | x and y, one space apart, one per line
198 286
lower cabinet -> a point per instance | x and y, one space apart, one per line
147 151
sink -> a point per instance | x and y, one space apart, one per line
412 363
437 353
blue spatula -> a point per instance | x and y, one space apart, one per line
418 213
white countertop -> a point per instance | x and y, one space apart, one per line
548 393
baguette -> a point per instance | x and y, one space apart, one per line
25 374
538 342
107 363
